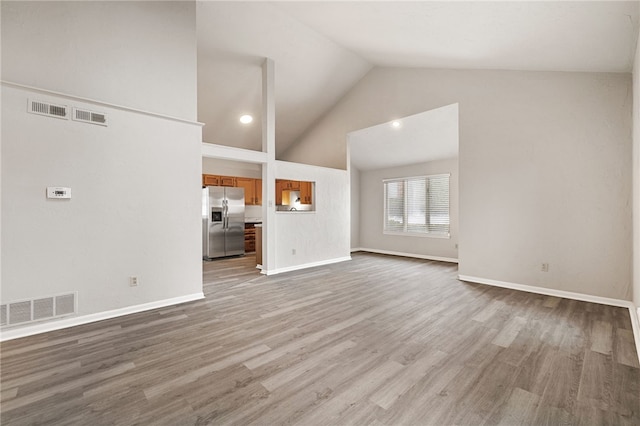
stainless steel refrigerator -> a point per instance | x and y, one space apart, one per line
222 221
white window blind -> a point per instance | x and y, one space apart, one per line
417 205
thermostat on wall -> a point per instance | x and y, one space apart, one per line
58 192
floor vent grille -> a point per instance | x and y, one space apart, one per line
26 311
48 109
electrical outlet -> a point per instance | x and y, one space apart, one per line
456 246
133 281
293 251
545 267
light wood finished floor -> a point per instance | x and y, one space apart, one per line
379 340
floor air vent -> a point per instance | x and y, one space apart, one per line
90 116
48 109
44 308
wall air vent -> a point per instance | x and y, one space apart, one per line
26 311
3 315
48 109
90 116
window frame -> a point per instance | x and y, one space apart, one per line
406 232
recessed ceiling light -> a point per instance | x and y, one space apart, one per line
395 124
246 119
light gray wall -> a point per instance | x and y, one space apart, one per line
636 178
216 166
319 236
135 207
136 54
372 211
545 168
354 197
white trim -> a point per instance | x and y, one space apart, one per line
16 333
635 325
418 234
414 255
634 313
306 265
354 249
550 292
96 102
211 150
416 177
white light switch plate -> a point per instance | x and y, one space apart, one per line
58 192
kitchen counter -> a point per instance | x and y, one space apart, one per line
252 220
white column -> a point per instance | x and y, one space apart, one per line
268 168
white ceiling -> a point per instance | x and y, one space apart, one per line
322 49
511 35
312 72
428 136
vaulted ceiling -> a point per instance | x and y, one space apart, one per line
322 49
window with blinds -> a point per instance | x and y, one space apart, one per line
417 205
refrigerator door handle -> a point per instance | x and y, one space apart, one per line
226 214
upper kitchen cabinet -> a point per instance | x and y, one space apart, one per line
306 192
214 180
252 187
279 189
293 195
292 185
252 190
258 192
227 181
210 180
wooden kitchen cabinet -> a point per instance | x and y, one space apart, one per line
291 185
252 187
259 245
252 190
279 189
215 180
258 192
305 188
227 181
306 192
285 185
249 237
210 180
249 185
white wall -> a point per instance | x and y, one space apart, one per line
372 212
216 166
135 207
636 178
321 236
354 197
136 54
545 169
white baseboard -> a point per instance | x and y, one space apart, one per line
635 324
15 333
634 312
306 265
549 291
353 249
416 256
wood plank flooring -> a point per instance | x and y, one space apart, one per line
380 340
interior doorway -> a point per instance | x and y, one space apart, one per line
224 173
404 151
